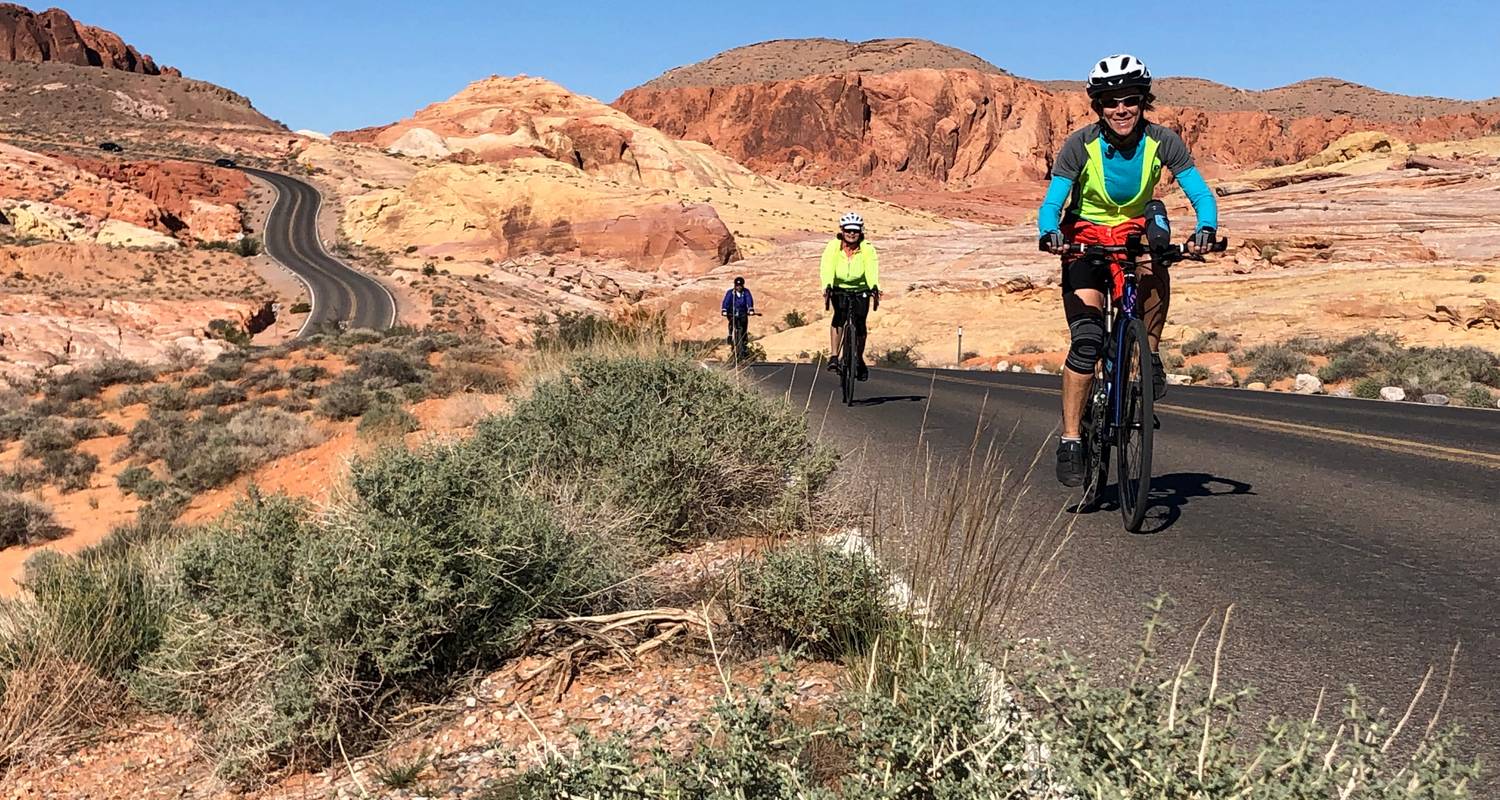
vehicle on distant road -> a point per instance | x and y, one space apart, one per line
227 163
111 147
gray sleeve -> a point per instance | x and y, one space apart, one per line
1073 157
1171 149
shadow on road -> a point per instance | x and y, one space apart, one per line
1169 493
900 398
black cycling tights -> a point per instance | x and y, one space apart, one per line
856 304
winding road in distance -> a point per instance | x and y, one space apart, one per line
1358 540
338 293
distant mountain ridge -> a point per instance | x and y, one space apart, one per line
787 59
54 36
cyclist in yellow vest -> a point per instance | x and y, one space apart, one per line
851 279
1102 183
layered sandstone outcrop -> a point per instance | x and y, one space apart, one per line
54 36
508 120
515 167
142 203
960 128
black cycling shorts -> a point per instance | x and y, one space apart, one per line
1092 273
856 303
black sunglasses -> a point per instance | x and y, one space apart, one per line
1133 101
853 230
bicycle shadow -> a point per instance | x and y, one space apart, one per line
900 398
1169 494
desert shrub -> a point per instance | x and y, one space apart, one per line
576 330
49 435
87 382
227 331
342 400
1368 388
227 367
15 424
196 380
220 394
902 357
794 319
1270 362
685 451
308 373
1199 373
247 246
1207 342
92 428
390 368
298 630
1359 356
265 434
140 482
1446 370
70 469
1173 360
25 521
301 307
809 595
385 420
209 465
265 379
1475 396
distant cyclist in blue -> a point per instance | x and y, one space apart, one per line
738 305
1102 183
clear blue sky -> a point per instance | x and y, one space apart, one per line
338 64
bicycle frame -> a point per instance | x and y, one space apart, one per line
1118 321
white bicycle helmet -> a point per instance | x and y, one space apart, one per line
1119 72
851 220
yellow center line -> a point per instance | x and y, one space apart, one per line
1389 444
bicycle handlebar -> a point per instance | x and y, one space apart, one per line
1179 250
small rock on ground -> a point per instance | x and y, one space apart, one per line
1392 393
1258 386
1435 399
1308 384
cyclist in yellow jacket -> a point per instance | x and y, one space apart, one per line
851 279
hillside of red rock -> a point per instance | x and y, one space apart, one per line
54 36
949 128
787 59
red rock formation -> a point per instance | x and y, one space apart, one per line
958 128
54 36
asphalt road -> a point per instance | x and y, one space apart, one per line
339 294
1359 541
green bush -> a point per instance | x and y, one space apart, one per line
308 373
794 319
341 401
49 435
1207 342
227 367
247 247
1199 373
265 379
1445 370
684 451
811 596
1271 362
70 469
1475 396
103 607
390 368
1173 361
227 331
576 330
25 521
1359 356
87 382
1368 388
385 420
301 308
15 424
903 357
220 394
140 482
298 631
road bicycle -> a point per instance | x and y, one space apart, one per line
739 335
849 349
1119 413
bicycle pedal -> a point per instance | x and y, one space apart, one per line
1155 423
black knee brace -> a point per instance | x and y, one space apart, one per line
1087 330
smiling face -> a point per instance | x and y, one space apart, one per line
850 236
1121 110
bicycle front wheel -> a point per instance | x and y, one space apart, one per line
846 371
1133 435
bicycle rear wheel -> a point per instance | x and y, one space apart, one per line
846 364
1133 436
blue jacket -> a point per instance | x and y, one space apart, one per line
742 305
